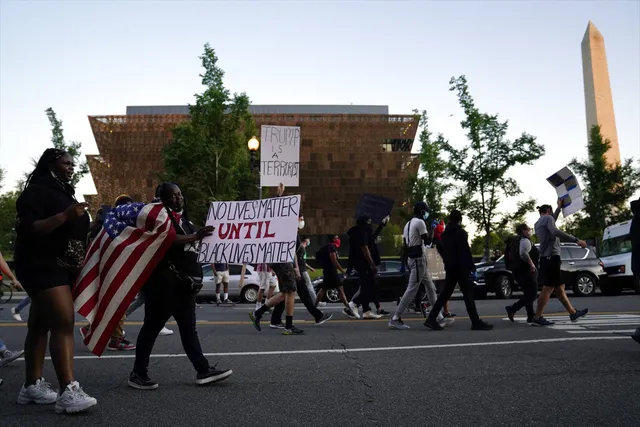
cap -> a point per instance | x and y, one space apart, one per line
421 206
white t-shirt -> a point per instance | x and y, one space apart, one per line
413 231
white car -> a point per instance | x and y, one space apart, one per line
616 256
248 292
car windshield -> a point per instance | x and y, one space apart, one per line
616 246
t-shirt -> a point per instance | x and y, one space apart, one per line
301 255
413 232
549 236
359 237
220 267
323 256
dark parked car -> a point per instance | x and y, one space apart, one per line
391 283
582 272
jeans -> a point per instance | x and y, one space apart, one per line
307 299
461 278
25 302
307 281
419 275
163 300
528 283
3 347
367 291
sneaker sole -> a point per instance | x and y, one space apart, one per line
120 349
165 334
217 378
275 327
322 322
252 316
142 387
12 359
399 328
27 401
75 409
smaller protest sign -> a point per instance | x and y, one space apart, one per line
252 232
376 207
567 188
280 156
435 264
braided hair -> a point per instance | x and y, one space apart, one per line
43 173
161 192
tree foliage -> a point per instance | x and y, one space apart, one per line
7 221
430 184
607 188
481 167
57 139
208 156
390 240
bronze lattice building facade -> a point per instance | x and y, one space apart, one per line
346 151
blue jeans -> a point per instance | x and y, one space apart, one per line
25 302
2 346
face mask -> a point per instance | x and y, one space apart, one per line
425 215
300 225
336 243
378 240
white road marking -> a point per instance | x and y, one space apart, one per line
603 331
361 350
591 324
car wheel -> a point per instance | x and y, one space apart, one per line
585 285
504 289
610 289
332 295
480 293
250 293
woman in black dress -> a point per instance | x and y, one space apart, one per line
50 247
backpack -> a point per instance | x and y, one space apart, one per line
508 252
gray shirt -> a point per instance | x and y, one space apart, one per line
549 235
525 248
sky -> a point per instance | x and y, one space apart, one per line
522 60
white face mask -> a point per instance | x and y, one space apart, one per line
300 225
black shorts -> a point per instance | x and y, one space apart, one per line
330 280
286 274
551 271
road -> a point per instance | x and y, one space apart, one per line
359 373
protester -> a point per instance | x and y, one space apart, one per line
550 264
170 292
524 259
327 257
414 238
7 356
50 247
458 265
268 283
635 249
221 272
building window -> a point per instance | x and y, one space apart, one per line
397 145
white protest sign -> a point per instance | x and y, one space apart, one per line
568 189
279 156
252 232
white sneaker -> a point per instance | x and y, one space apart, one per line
74 400
371 315
446 321
15 315
322 304
166 331
40 393
258 305
7 356
354 308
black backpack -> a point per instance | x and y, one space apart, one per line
508 252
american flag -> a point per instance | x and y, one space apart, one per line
133 240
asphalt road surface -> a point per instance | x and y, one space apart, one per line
360 373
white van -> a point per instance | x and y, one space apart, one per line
616 256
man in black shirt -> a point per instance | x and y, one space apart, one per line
327 257
362 250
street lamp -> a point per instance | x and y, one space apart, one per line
253 144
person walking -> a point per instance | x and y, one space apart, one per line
459 266
221 272
415 237
550 264
327 257
167 294
635 250
52 232
7 356
15 311
524 259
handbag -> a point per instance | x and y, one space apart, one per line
412 251
193 282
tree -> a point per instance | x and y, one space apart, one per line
7 221
74 148
208 155
390 240
432 185
481 167
607 188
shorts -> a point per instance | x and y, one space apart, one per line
267 280
222 277
35 280
551 271
286 277
330 280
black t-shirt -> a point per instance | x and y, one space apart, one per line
220 267
302 263
323 256
359 237
39 255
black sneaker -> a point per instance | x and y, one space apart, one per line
276 325
213 375
293 331
636 336
541 321
578 314
383 312
433 325
530 320
348 312
141 382
481 325
510 313
324 319
255 320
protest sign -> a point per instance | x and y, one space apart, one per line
252 232
376 207
280 156
435 264
568 189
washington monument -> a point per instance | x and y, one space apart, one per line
597 90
